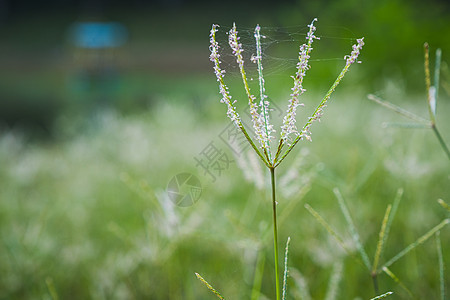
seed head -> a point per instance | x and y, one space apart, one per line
223 89
289 120
355 53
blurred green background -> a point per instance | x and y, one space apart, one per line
94 124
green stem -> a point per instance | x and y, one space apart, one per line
275 231
441 140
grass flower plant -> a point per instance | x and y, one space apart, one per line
263 135
432 95
374 268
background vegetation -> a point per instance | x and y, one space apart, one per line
86 155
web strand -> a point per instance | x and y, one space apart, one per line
279 46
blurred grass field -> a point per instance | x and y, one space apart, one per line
84 210
90 213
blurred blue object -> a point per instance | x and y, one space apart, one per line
98 35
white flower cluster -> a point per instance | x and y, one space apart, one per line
289 120
265 128
226 98
262 128
257 118
355 53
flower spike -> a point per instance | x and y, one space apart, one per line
265 126
260 120
257 119
289 120
226 98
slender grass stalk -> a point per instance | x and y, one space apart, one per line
384 233
399 110
352 228
333 233
335 279
209 286
51 288
431 95
386 226
327 227
437 71
285 275
275 232
395 204
405 125
257 280
301 284
441 140
397 280
444 204
382 296
419 241
441 265
380 245
381 238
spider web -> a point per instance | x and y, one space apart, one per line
280 46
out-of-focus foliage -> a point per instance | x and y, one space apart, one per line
85 214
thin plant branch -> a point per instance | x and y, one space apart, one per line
352 228
209 287
335 279
285 275
333 233
419 241
397 280
441 265
382 296
380 244
444 204
257 279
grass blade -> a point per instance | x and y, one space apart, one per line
397 280
285 275
327 228
431 92
51 288
302 291
330 230
335 279
381 239
406 125
398 109
257 280
395 205
437 71
382 296
352 228
209 286
419 241
441 141
444 204
441 265
384 232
